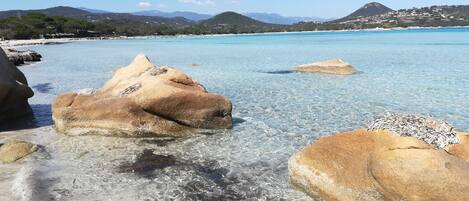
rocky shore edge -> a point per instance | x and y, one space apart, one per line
18 57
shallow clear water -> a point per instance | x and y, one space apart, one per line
276 113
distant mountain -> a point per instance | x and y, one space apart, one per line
232 18
93 10
274 18
188 15
433 16
369 9
83 23
234 23
54 11
89 16
271 18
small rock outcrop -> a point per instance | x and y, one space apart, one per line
22 57
13 151
429 129
142 100
378 164
14 90
334 66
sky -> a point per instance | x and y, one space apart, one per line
309 8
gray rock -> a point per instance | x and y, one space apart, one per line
14 90
21 57
431 130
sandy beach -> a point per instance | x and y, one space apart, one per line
33 42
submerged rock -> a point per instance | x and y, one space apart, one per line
13 151
147 162
21 57
14 90
143 100
380 165
196 178
334 66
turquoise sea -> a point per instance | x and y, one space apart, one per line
276 113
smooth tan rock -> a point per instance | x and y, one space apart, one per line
13 151
461 150
334 66
420 174
378 165
143 100
335 168
14 90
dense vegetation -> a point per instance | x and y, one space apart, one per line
71 22
435 16
35 25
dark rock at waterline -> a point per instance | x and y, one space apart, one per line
14 90
21 57
41 116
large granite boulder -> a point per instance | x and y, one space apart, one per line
378 164
142 100
14 90
334 66
15 150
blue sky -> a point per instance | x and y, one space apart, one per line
319 8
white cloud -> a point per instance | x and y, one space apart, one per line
200 2
144 4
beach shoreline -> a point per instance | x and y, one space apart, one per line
34 42
319 31
5 44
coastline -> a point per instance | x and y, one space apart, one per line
5 44
32 42
291 32
327 31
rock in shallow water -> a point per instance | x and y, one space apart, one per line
379 165
198 179
334 66
14 90
143 100
13 151
21 57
